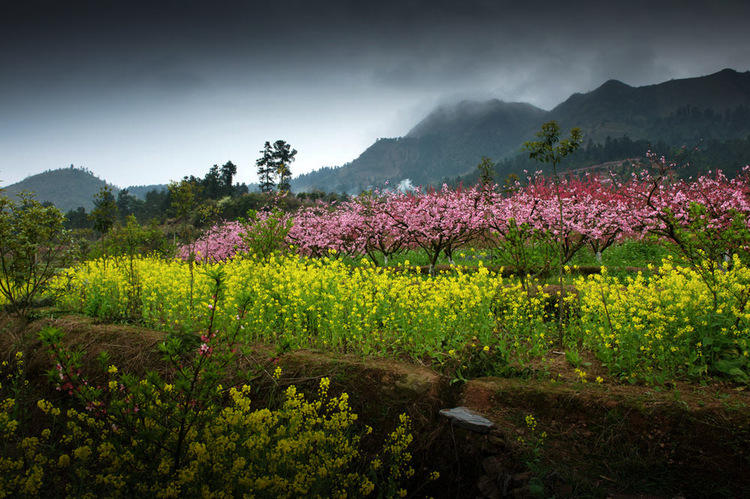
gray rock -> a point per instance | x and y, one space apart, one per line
466 418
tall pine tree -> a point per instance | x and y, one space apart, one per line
104 214
228 171
273 166
283 155
266 168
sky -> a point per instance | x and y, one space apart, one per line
144 92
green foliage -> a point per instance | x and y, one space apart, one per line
133 239
33 245
183 196
123 244
486 171
273 166
530 251
155 206
237 207
184 205
77 219
473 360
128 204
550 149
265 236
104 214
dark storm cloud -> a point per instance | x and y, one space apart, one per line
298 68
401 44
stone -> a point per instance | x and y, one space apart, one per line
493 466
497 441
488 488
466 418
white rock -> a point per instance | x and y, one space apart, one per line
466 418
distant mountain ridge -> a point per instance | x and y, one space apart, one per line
432 148
66 188
617 109
452 139
140 191
69 188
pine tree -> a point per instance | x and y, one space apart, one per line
283 155
273 166
266 168
104 214
228 171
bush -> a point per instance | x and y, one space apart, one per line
33 245
266 233
126 441
670 325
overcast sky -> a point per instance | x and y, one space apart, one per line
147 92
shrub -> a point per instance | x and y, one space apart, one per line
670 325
33 245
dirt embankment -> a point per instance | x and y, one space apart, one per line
599 440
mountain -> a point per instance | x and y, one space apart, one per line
66 188
140 191
71 188
709 107
705 119
452 139
449 141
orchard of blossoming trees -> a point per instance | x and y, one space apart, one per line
597 211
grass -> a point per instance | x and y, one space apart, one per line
622 259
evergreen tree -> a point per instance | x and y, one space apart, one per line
212 183
156 205
283 155
266 169
273 166
104 214
77 219
228 171
127 204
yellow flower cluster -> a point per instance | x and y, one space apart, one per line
678 322
322 303
305 448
